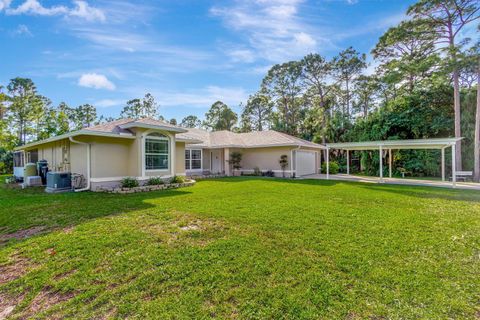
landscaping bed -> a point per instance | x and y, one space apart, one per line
146 188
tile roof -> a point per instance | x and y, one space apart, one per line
269 138
118 126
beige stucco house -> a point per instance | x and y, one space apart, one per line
106 153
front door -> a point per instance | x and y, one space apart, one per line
216 160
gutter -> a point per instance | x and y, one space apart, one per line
88 163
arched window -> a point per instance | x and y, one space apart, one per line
157 152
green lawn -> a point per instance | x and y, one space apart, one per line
243 248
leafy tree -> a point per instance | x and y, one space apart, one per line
283 163
141 108
257 111
473 64
347 66
3 106
235 160
173 121
245 122
220 117
407 53
24 107
365 89
85 116
316 72
445 19
191 121
282 83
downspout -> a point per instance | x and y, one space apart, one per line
88 164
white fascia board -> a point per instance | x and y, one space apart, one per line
436 143
151 126
75 134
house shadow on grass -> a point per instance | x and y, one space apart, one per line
31 212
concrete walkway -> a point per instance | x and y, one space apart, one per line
412 182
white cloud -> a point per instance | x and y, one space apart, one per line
241 55
84 10
33 7
203 97
96 81
4 4
107 103
22 30
273 28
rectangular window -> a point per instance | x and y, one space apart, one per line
193 159
156 154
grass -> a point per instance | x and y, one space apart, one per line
246 248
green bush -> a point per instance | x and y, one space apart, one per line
257 172
154 181
129 182
334 167
177 179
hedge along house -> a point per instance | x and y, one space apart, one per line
260 150
106 153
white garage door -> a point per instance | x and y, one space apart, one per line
305 163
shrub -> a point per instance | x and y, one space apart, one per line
283 163
269 173
155 181
129 182
177 179
333 167
257 172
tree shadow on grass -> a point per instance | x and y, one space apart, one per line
425 192
30 212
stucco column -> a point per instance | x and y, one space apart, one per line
173 151
226 164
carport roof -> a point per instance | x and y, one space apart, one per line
434 143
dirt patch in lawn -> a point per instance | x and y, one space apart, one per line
22 234
8 304
15 269
45 300
64 275
186 229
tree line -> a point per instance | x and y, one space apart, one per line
425 84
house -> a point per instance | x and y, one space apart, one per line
261 149
142 148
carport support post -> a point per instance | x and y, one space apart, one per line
328 163
381 163
443 164
390 163
348 161
454 167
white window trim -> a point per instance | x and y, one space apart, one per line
169 154
190 160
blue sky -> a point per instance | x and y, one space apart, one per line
188 54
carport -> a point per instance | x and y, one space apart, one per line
386 146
